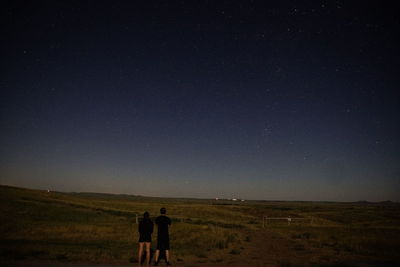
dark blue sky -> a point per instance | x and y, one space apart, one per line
295 100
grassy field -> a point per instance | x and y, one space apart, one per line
100 228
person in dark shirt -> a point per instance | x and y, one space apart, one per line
163 223
145 231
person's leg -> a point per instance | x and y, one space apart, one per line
147 253
167 255
140 252
157 255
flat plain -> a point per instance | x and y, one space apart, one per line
38 225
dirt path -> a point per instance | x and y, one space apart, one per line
264 248
268 249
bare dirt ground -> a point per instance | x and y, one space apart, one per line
265 249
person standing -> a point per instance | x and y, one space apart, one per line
163 223
145 231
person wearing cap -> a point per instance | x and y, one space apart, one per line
145 231
163 223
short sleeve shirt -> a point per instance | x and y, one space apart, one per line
162 223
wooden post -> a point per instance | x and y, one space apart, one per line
137 219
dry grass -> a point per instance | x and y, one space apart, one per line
92 228
101 228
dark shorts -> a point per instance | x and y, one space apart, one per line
145 238
163 244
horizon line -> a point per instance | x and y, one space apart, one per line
196 198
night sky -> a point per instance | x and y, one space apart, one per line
290 100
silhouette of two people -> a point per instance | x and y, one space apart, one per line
146 229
